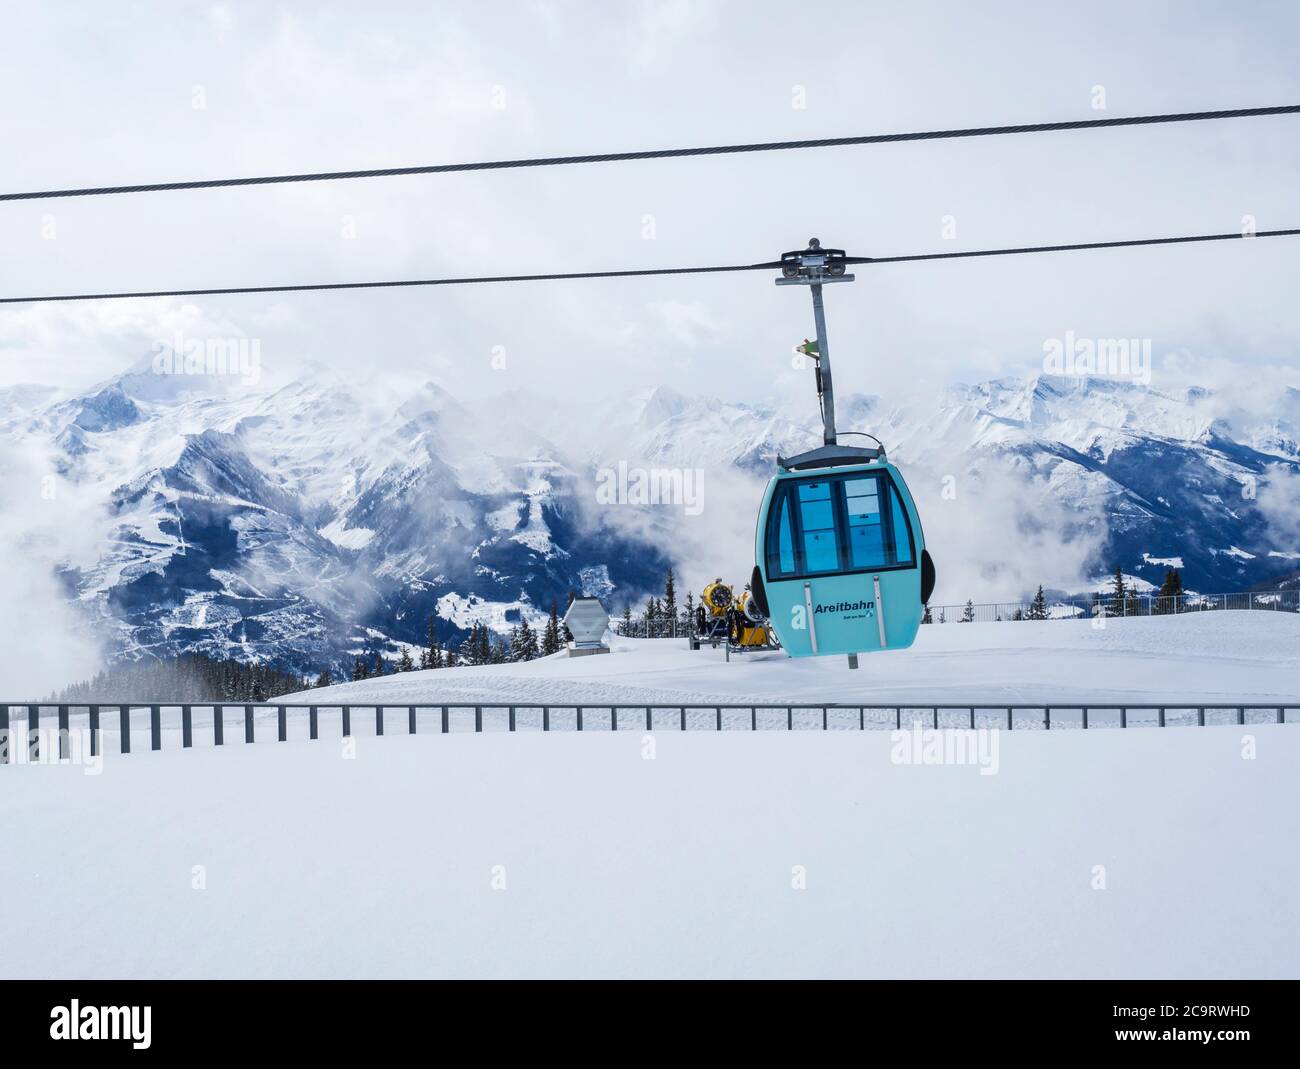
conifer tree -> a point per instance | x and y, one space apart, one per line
404 662
551 636
1038 607
431 658
669 607
1170 590
968 613
469 648
527 641
378 669
325 679
1117 592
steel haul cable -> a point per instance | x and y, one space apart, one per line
642 272
664 154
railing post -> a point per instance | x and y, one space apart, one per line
1241 714
347 721
825 719
410 720
972 718
1010 718
187 728
1123 716
313 722
649 719
218 725
898 718
124 723
1200 716
1085 718
155 727
446 721
4 735
683 715
94 728
248 723
379 719
789 718
1281 714
63 732
753 718
862 718
1047 718
34 731
717 709
546 718
934 711
613 718
282 722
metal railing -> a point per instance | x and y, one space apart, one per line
987 612
640 627
460 717
1106 605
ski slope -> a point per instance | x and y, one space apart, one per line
1107 853
1230 657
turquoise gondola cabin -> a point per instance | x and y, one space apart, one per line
841 559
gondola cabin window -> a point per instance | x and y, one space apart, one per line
830 525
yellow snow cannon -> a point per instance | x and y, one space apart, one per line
712 614
748 628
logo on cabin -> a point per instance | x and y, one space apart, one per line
869 607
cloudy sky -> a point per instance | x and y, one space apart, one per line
173 91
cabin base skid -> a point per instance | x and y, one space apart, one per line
578 651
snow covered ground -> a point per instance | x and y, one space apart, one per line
578 855
1106 853
1203 658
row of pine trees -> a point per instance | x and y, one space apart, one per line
661 615
1121 600
192 677
524 643
196 677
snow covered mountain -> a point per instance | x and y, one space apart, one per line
1157 479
308 523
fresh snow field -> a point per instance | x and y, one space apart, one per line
1202 658
699 854
681 865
